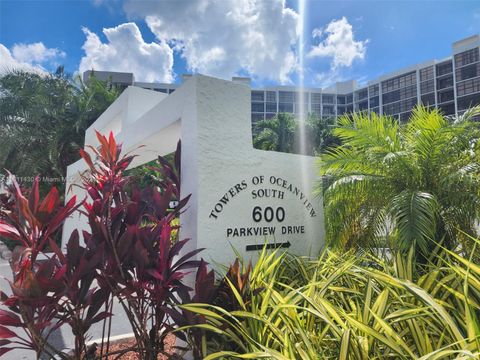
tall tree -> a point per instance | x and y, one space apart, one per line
277 133
43 119
401 185
319 133
282 133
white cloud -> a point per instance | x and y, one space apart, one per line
328 79
125 50
337 42
226 37
35 53
28 57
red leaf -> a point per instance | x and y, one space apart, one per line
50 202
93 192
34 195
59 274
57 251
62 214
6 333
8 318
86 157
112 147
155 274
9 231
104 149
73 249
4 350
22 204
100 317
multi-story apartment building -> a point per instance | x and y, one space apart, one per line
451 85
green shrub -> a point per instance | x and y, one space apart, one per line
345 306
403 185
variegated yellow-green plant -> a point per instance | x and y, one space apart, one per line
345 306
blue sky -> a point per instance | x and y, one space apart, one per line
159 41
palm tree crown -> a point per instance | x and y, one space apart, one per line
392 185
43 119
277 133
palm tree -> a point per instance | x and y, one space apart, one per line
319 131
276 134
43 119
392 185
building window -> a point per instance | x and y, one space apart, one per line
444 68
467 102
328 99
316 108
258 96
373 90
316 98
468 87
374 101
341 110
341 99
328 110
399 107
363 105
271 107
361 94
404 117
428 99
349 99
466 57
399 82
286 96
445 82
257 107
404 93
427 86
298 107
447 109
467 72
271 96
426 73
298 97
285 107
445 96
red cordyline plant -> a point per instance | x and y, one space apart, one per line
205 293
142 266
128 256
45 292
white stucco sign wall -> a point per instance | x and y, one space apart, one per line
241 197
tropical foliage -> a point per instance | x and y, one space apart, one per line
43 119
342 306
282 133
319 134
400 186
129 256
276 134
